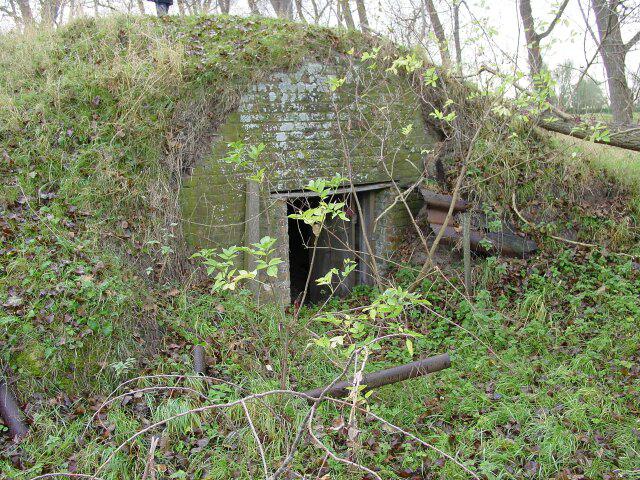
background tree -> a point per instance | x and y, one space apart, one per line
588 97
438 31
609 15
282 8
533 37
563 75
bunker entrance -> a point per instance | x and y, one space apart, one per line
338 243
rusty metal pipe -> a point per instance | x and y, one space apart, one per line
10 412
388 376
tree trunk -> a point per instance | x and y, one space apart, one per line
283 8
627 138
25 12
346 13
299 11
438 30
362 15
533 39
456 35
613 52
253 6
225 6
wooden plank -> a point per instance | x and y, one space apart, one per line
281 234
252 227
365 270
305 194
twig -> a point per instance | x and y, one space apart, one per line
318 443
150 467
67 475
408 434
257 439
535 227
154 377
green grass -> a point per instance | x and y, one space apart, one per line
90 174
624 165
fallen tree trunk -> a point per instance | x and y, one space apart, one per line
627 137
559 121
386 377
10 412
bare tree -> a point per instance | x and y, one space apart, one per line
283 8
344 14
456 34
438 31
51 12
362 15
533 37
613 51
18 11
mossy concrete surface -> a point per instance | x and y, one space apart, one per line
309 131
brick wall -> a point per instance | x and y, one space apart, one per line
309 132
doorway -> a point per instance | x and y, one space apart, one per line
311 258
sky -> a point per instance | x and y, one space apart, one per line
567 42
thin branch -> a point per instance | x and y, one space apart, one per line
150 467
555 20
257 439
561 239
629 45
318 443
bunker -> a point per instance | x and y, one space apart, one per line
319 121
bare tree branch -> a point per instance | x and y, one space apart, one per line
555 20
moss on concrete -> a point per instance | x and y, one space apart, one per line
309 132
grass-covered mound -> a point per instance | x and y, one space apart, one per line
97 121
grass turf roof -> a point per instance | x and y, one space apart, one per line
91 131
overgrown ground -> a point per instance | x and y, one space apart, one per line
544 384
545 380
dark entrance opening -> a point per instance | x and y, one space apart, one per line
339 241
300 246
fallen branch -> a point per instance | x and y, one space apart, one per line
622 136
10 411
626 137
385 377
535 227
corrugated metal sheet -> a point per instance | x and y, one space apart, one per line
505 242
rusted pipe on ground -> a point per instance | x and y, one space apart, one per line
387 377
10 412
199 365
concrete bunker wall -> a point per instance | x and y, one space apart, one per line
309 131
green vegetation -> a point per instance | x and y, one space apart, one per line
623 165
545 379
